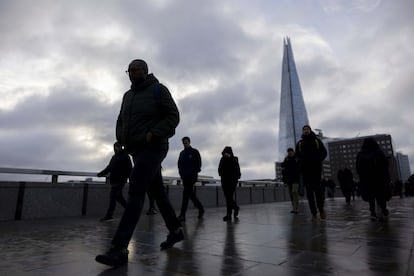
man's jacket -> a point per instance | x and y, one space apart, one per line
189 163
142 111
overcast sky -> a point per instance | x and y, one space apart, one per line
62 75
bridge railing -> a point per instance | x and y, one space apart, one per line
169 180
53 173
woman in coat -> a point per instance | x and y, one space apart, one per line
372 168
229 171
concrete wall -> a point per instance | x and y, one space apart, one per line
32 200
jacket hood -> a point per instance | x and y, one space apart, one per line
228 150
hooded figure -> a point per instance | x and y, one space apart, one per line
229 171
310 152
372 168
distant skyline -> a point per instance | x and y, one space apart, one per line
63 65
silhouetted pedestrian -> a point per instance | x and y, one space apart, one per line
229 171
398 189
148 117
346 182
189 165
119 169
310 152
330 184
372 168
290 173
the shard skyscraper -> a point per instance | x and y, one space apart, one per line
293 115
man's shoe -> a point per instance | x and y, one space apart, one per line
323 215
227 218
373 218
236 211
114 257
201 213
181 218
314 218
106 218
172 238
152 211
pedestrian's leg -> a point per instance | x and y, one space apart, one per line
151 209
295 197
235 207
290 189
195 200
320 199
120 197
146 165
229 202
347 197
151 202
383 206
310 194
187 190
132 212
176 233
112 203
164 204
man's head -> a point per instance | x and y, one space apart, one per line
137 71
186 141
290 152
117 147
227 152
306 130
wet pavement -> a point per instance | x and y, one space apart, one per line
266 240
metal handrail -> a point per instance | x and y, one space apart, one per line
169 179
54 173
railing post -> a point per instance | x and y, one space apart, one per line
54 179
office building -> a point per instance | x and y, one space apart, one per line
343 153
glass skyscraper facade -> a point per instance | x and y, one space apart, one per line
293 115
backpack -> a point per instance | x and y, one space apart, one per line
156 91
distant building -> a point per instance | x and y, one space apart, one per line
293 115
343 153
278 171
404 166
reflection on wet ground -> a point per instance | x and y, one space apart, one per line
266 240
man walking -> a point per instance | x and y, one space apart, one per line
310 152
119 169
346 182
290 173
148 117
189 165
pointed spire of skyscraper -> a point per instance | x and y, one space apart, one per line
293 115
